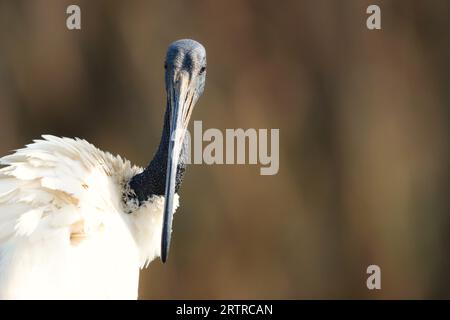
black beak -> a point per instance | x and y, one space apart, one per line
181 108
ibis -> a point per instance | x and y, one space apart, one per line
79 223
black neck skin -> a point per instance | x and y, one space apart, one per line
152 181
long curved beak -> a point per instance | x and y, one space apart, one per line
181 105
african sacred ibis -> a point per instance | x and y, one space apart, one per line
79 223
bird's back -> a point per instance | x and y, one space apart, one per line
64 232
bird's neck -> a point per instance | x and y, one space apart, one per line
152 180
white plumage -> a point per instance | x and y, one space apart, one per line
67 228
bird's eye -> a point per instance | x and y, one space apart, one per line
165 65
203 69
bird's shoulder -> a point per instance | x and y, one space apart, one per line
59 182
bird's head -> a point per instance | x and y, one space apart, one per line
185 67
185 75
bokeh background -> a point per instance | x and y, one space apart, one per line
364 134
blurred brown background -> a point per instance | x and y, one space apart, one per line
364 125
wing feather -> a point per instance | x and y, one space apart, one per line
65 181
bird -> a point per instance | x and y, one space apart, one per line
80 223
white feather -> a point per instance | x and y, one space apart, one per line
65 230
